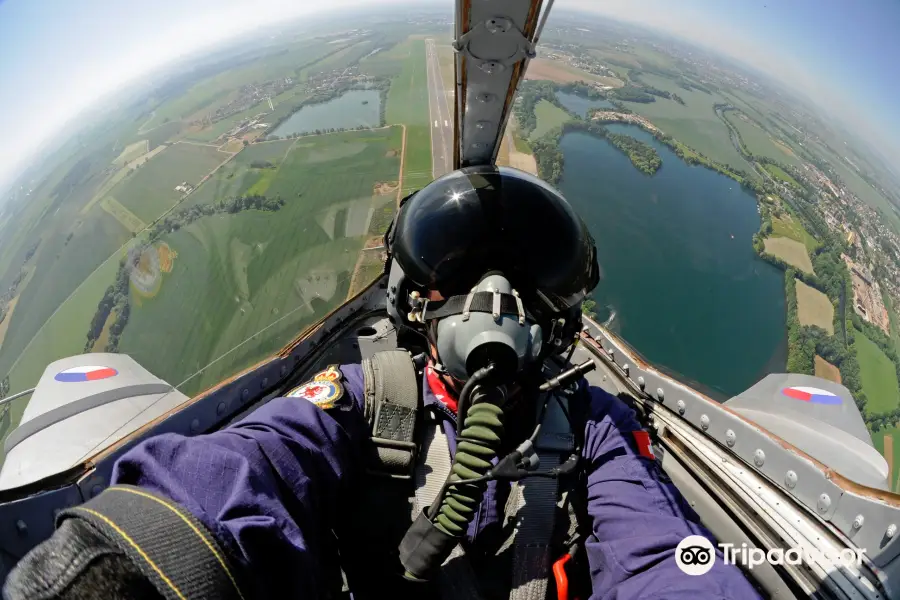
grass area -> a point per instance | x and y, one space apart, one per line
878 442
790 251
264 273
121 214
554 70
219 128
814 308
407 103
150 190
131 152
759 142
788 227
548 116
878 376
779 173
695 123
826 370
61 268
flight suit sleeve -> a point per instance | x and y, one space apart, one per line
638 517
271 488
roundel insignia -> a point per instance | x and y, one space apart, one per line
812 394
324 390
86 373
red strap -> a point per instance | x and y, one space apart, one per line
562 580
440 390
642 439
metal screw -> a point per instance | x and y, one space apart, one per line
21 527
220 408
790 479
96 490
195 425
891 531
497 25
824 503
612 354
641 381
477 146
264 383
486 97
626 368
245 394
759 458
704 422
482 124
681 407
858 521
491 66
283 370
660 394
730 438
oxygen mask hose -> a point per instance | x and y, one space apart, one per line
433 536
477 445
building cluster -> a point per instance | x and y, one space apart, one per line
867 300
327 80
184 187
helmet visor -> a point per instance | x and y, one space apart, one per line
484 219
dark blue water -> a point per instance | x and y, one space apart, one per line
581 104
679 271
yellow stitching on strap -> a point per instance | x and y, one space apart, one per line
136 547
189 524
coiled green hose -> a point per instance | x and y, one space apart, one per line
478 444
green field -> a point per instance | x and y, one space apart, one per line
878 442
548 116
879 378
788 227
779 173
407 103
695 124
150 190
760 143
60 269
264 273
790 251
131 152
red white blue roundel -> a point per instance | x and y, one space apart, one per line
89 373
811 394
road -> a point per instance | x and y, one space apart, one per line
440 113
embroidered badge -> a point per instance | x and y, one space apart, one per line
324 390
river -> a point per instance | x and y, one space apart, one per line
347 111
679 271
580 105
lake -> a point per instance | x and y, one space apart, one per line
680 277
580 105
347 111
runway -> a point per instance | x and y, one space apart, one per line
440 113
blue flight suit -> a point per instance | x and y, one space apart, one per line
273 487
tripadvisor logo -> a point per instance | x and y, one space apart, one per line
696 555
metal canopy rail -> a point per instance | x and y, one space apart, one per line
495 39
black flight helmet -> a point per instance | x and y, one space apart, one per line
478 220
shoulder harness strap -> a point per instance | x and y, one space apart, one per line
392 401
167 544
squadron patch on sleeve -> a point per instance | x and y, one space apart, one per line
324 390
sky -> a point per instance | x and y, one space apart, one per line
57 57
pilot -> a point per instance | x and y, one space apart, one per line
490 267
